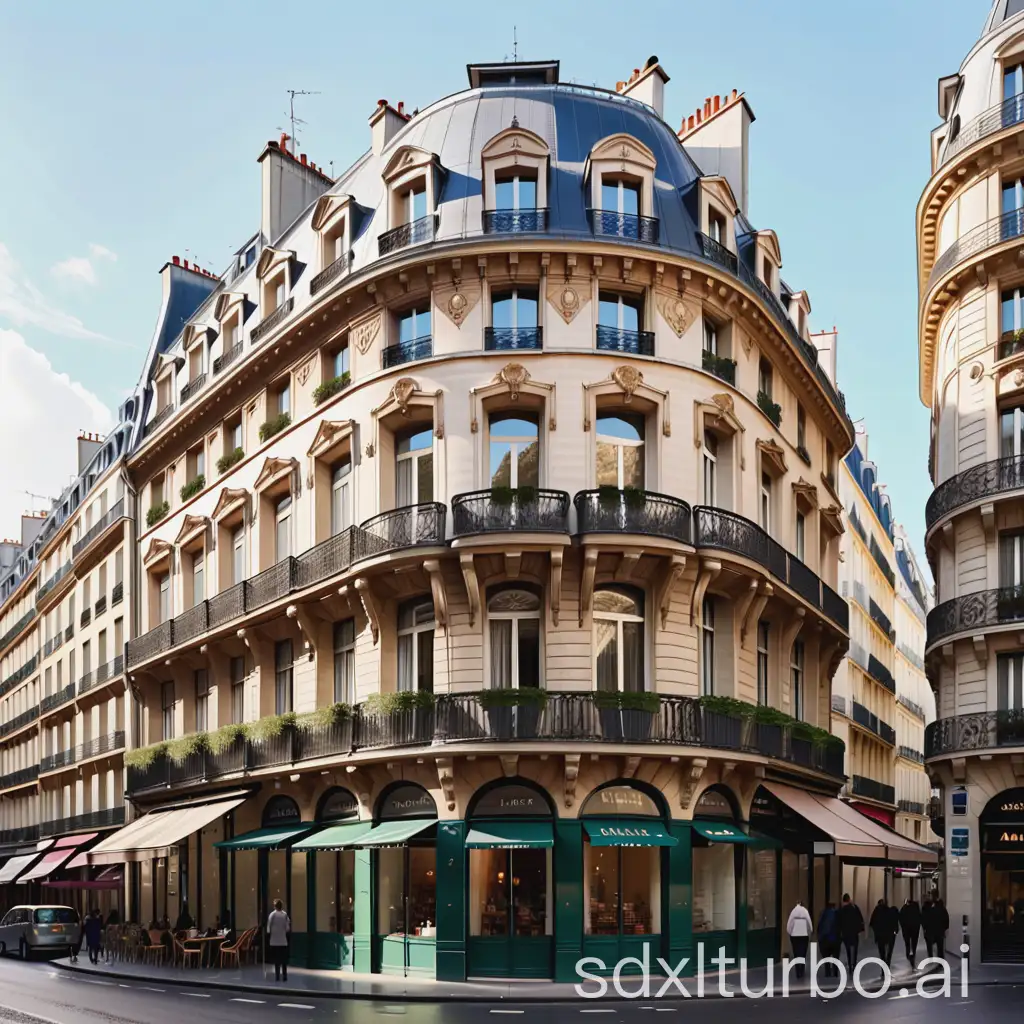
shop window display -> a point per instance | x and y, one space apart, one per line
622 890
761 888
407 891
714 888
510 892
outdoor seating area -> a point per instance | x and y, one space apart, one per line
183 947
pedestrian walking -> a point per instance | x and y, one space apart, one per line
884 925
799 928
910 925
93 929
929 924
942 921
828 937
279 929
851 927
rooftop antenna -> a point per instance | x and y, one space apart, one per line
292 93
515 46
47 501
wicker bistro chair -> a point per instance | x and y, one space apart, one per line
234 952
184 954
153 950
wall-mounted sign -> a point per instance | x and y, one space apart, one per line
959 842
958 801
281 810
620 800
1004 838
408 801
337 805
713 804
513 799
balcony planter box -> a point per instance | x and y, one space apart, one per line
274 426
726 722
329 388
409 715
157 512
193 487
626 715
229 459
514 712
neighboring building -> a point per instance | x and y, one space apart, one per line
970 221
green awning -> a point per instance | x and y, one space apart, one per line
722 832
765 842
627 832
510 834
276 838
335 837
394 833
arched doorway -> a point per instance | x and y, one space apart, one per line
626 837
511 885
332 874
1001 825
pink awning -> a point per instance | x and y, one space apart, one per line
69 842
46 866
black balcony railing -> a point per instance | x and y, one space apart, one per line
100 606
25 834
19 778
52 701
504 510
912 706
272 320
879 617
19 675
51 645
719 366
19 721
501 339
407 352
69 631
86 617
984 730
624 225
159 419
610 510
222 362
107 520
95 747
414 233
718 528
911 755
999 229
716 252
911 806
617 339
870 721
411 526
17 628
881 561
881 674
192 388
117 594
111 817
974 484
972 612
461 718
330 273
518 221
53 581
104 674
871 789
1002 115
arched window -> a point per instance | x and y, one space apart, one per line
513 614
414 468
619 639
514 450
416 645
620 450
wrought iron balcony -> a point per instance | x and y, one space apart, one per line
117 594
912 706
984 730
159 419
624 225
911 806
504 510
464 719
414 233
615 339
25 834
19 778
500 339
719 366
773 410
52 701
871 789
518 221
69 632
726 531
19 675
111 817
408 527
881 674
882 562
838 704
985 481
717 253
910 754
19 721
633 511
870 721
107 520
995 119
15 631
104 674
222 362
1003 228
974 612
100 606
83 752
272 320
407 352
53 581
330 273
192 388
879 617
85 618
51 645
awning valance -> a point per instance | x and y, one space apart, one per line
627 832
394 833
15 866
510 834
157 833
722 832
268 838
335 837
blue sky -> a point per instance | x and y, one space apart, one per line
133 132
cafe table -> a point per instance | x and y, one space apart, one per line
203 943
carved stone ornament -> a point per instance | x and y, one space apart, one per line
457 308
678 314
513 376
458 299
629 378
365 333
304 371
724 402
403 390
1018 377
976 371
568 298
370 450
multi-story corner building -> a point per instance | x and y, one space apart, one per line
65 600
488 552
969 228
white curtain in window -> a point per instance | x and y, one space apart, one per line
405 649
501 653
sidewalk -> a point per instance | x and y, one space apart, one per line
346 984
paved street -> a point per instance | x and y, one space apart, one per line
40 991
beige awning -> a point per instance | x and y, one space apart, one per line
15 866
827 814
899 849
157 833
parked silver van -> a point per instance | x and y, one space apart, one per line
29 928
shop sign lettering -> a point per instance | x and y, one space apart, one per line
1013 806
510 800
1012 837
625 832
409 802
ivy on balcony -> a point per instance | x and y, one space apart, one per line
157 512
771 409
275 425
329 388
231 458
193 487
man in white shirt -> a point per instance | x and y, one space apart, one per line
799 928
279 927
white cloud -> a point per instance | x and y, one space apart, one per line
42 414
24 305
82 269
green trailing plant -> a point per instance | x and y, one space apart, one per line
268 728
503 496
404 700
181 749
771 409
274 425
631 700
144 757
609 496
514 697
329 388
157 512
634 497
764 715
224 738
526 495
726 706
193 487
229 459
323 718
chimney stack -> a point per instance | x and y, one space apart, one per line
647 86
290 184
385 122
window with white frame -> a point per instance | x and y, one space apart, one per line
762 662
709 461
341 496
237 669
620 196
1011 558
619 639
710 337
202 683
1011 432
620 450
515 192
283 528
766 503
764 378
164 597
281 398
1010 682
198 584
414 468
340 361
416 645
167 710
514 318
707 646
345 661
801 535
796 675
284 678
513 614
238 554
414 203
414 325
619 319
716 227
514 449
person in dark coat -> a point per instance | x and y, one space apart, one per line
851 925
929 924
93 929
942 921
828 937
910 925
884 925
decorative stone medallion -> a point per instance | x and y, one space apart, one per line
513 376
364 334
402 391
629 378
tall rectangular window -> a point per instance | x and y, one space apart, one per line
764 377
762 663
202 681
341 490
283 520
415 204
709 455
164 606
707 646
345 661
198 587
801 529
796 669
283 677
237 690
238 555
1010 682
515 193
167 708
766 503
801 427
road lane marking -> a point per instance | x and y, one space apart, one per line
149 988
297 1006
93 981
508 1011
196 995
608 1011
258 1002
124 986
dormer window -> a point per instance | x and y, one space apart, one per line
768 260
515 170
620 177
274 271
716 226
413 177
716 213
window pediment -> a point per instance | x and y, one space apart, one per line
227 303
231 500
330 434
773 458
328 209
272 259
273 472
717 413
806 494
194 334
628 153
515 142
167 363
719 190
406 159
769 242
156 552
191 529
832 518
